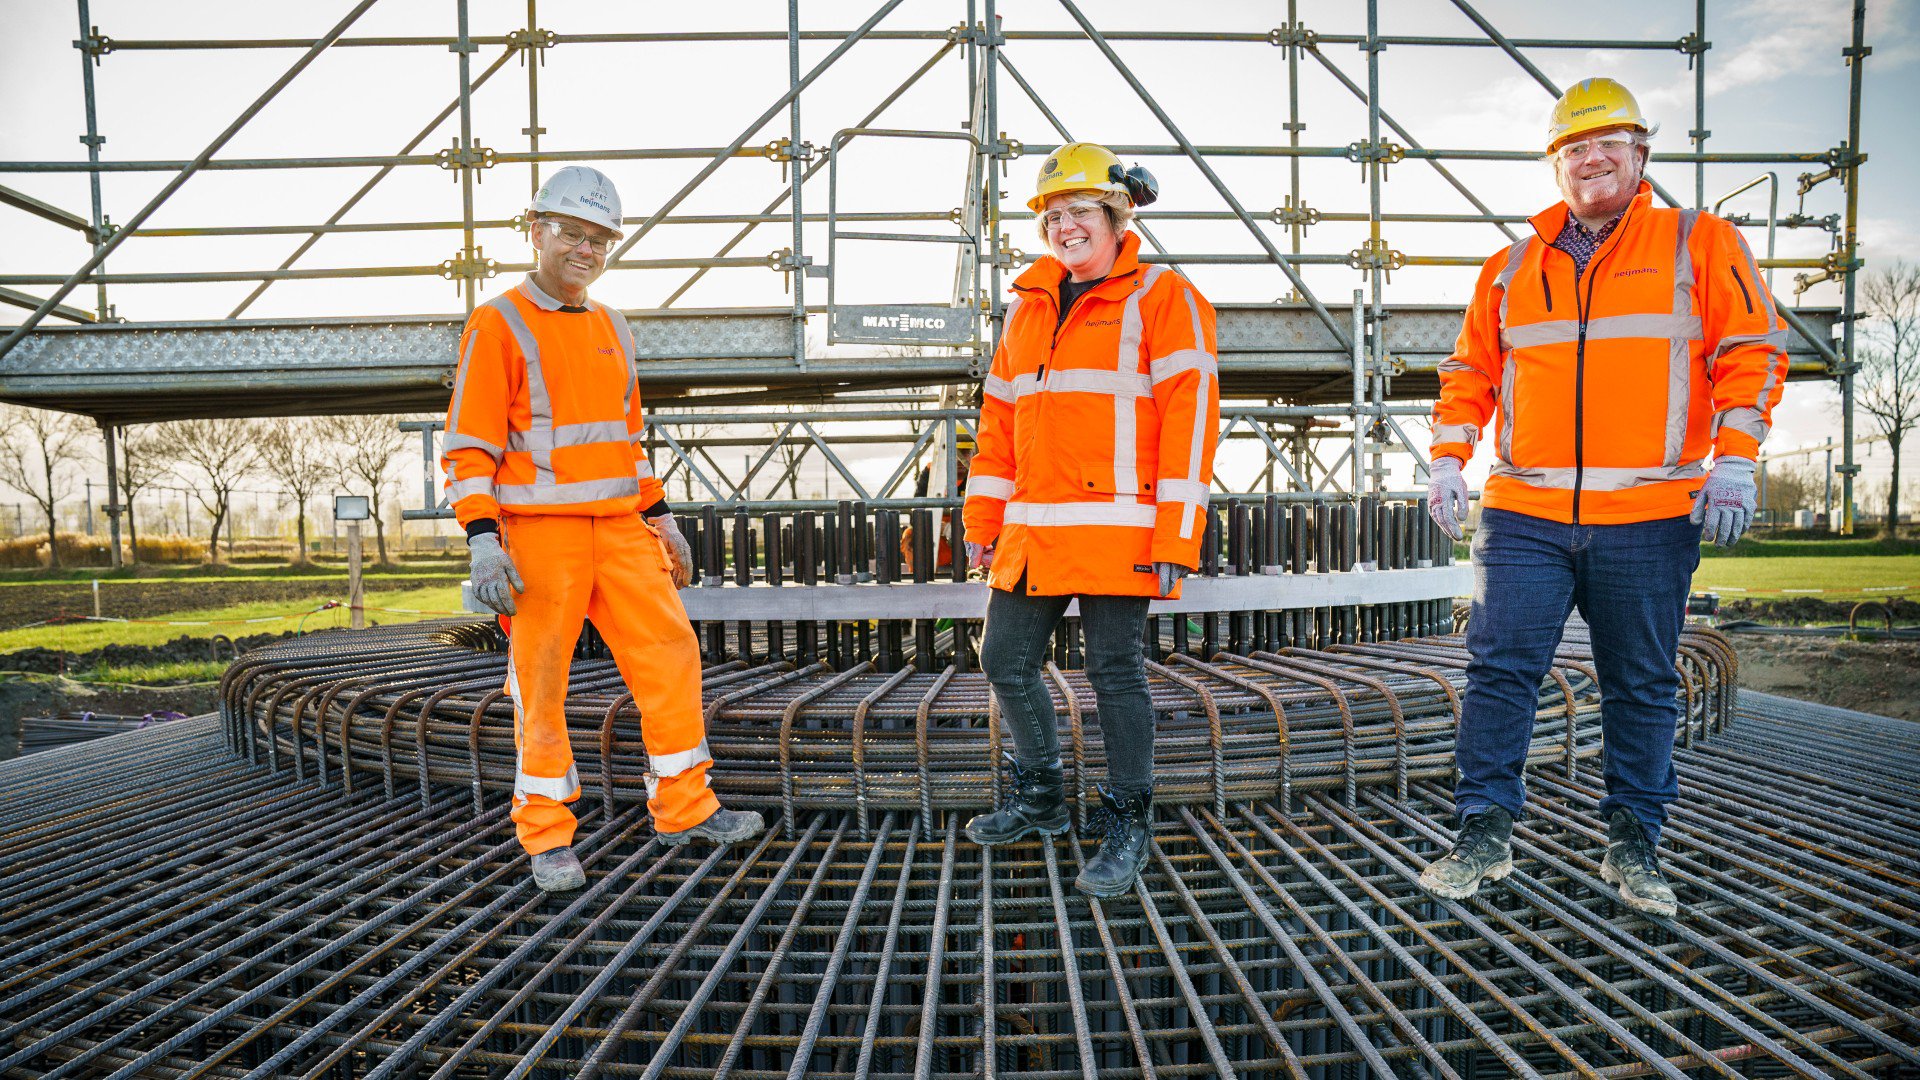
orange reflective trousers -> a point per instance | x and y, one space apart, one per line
612 570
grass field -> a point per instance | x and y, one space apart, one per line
231 620
168 673
1850 576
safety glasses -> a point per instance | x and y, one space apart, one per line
1610 145
1080 212
573 236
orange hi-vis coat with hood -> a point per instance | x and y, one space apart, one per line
545 435
1097 433
1611 389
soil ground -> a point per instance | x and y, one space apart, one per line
1868 676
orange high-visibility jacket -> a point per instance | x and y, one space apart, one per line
1610 390
1097 434
545 417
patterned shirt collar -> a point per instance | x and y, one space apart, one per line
1580 242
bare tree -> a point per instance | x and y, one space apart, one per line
362 453
142 466
39 450
211 457
295 453
1790 487
1887 384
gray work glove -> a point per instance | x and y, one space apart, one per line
979 556
1724 508
1447 495
1170 575
494 577
679 552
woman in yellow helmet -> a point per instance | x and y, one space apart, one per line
1097 430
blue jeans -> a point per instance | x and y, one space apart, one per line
1014 649
1630 584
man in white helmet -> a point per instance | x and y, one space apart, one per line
547 471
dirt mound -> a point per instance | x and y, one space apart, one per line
1811 610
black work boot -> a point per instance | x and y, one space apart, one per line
1482 851
1036 802
722 827
1126 826
1632 865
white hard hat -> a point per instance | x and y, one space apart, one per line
582 192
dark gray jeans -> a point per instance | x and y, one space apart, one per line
1015 649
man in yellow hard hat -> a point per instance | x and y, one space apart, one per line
1621 343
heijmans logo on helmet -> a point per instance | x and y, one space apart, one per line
1588 109
1052 166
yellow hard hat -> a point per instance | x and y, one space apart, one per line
1081 166
1590 105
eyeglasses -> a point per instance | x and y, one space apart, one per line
573 236
1081 213
1606 144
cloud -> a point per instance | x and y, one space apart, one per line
1794 36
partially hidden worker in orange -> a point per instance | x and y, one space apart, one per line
546 469
1097 433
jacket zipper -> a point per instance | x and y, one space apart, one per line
1580 368
1061 323
1544 285
1744 294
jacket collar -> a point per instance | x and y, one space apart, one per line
1548 223
541 300
1047 272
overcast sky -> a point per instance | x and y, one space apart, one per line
1776 81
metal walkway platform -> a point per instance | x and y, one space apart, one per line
145 372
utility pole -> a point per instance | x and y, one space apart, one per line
89 506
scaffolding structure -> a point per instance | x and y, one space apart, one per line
1321 384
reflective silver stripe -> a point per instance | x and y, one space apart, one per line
1679 345
642 469
1516 252
539 405
674 764
1126 412
557 788
1183 491
1090 381
1451 433
989 487
1594 478
999 389
469 442
1742 419
1509 369
1045 514
1024 384
586 434
460 383
1201 429
460 489
551 494
1777 339
1452 365
1567 331
623 333
1181 361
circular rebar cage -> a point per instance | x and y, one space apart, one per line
325 883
